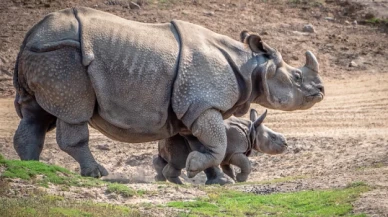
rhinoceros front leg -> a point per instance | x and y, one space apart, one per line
73 139
241 161
210 131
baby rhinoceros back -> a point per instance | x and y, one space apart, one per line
243 137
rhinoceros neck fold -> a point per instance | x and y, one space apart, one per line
213 69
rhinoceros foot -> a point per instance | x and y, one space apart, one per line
95 172
160 178
220 180
194 163
241 177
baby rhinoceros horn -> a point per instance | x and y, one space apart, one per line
311 62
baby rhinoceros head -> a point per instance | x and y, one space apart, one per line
267 141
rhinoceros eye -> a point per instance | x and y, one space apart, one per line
298 76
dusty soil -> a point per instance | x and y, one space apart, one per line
343 139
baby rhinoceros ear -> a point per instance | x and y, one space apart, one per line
260 120
253 115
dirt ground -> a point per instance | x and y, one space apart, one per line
341 140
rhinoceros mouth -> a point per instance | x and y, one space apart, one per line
316 96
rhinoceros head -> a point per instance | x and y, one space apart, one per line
282 86
266 141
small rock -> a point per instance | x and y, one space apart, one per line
309 28
353 64
354 22
300 33
296 150
329 18
134 5
140 2
104 147
113 196
347 22
369 15
209 13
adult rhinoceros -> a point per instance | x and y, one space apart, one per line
137 82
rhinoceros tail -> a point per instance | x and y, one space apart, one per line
16 83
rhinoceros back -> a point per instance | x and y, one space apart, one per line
132 67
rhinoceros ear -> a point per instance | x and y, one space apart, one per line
260 119
243 35
255 43
253 115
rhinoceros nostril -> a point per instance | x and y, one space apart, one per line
321 88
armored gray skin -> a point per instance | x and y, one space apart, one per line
138 82
243 136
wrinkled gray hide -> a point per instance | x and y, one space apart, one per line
243 137
137 82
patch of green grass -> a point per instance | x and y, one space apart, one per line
30 170
376 21
121 189
42 205
273 181
356 184
304 203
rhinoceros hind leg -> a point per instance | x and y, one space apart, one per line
31 132
73 139
228 170
210 131
159 164
172 174
215 176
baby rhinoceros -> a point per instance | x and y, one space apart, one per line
242 136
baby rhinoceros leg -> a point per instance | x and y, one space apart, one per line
73 139
243 163
172 174
159 164
215 176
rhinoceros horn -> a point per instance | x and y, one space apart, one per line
311 62
260 119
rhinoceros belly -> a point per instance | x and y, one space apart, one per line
134 135
132 67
